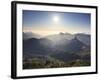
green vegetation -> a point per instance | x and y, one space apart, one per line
49 62
78 63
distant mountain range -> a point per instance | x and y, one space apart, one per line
62 46
28 35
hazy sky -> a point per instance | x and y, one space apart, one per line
47 23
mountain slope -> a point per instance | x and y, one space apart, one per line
28 35
61 46
85 38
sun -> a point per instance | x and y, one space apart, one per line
55 18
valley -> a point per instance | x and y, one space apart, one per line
54 51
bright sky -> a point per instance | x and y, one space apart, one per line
47 23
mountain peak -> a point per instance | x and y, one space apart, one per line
61 33
28 35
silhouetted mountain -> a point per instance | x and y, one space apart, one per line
85 38
61 36
28 35
63 46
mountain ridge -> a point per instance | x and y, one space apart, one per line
57 49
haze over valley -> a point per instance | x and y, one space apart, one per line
58 50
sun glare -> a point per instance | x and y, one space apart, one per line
55 18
